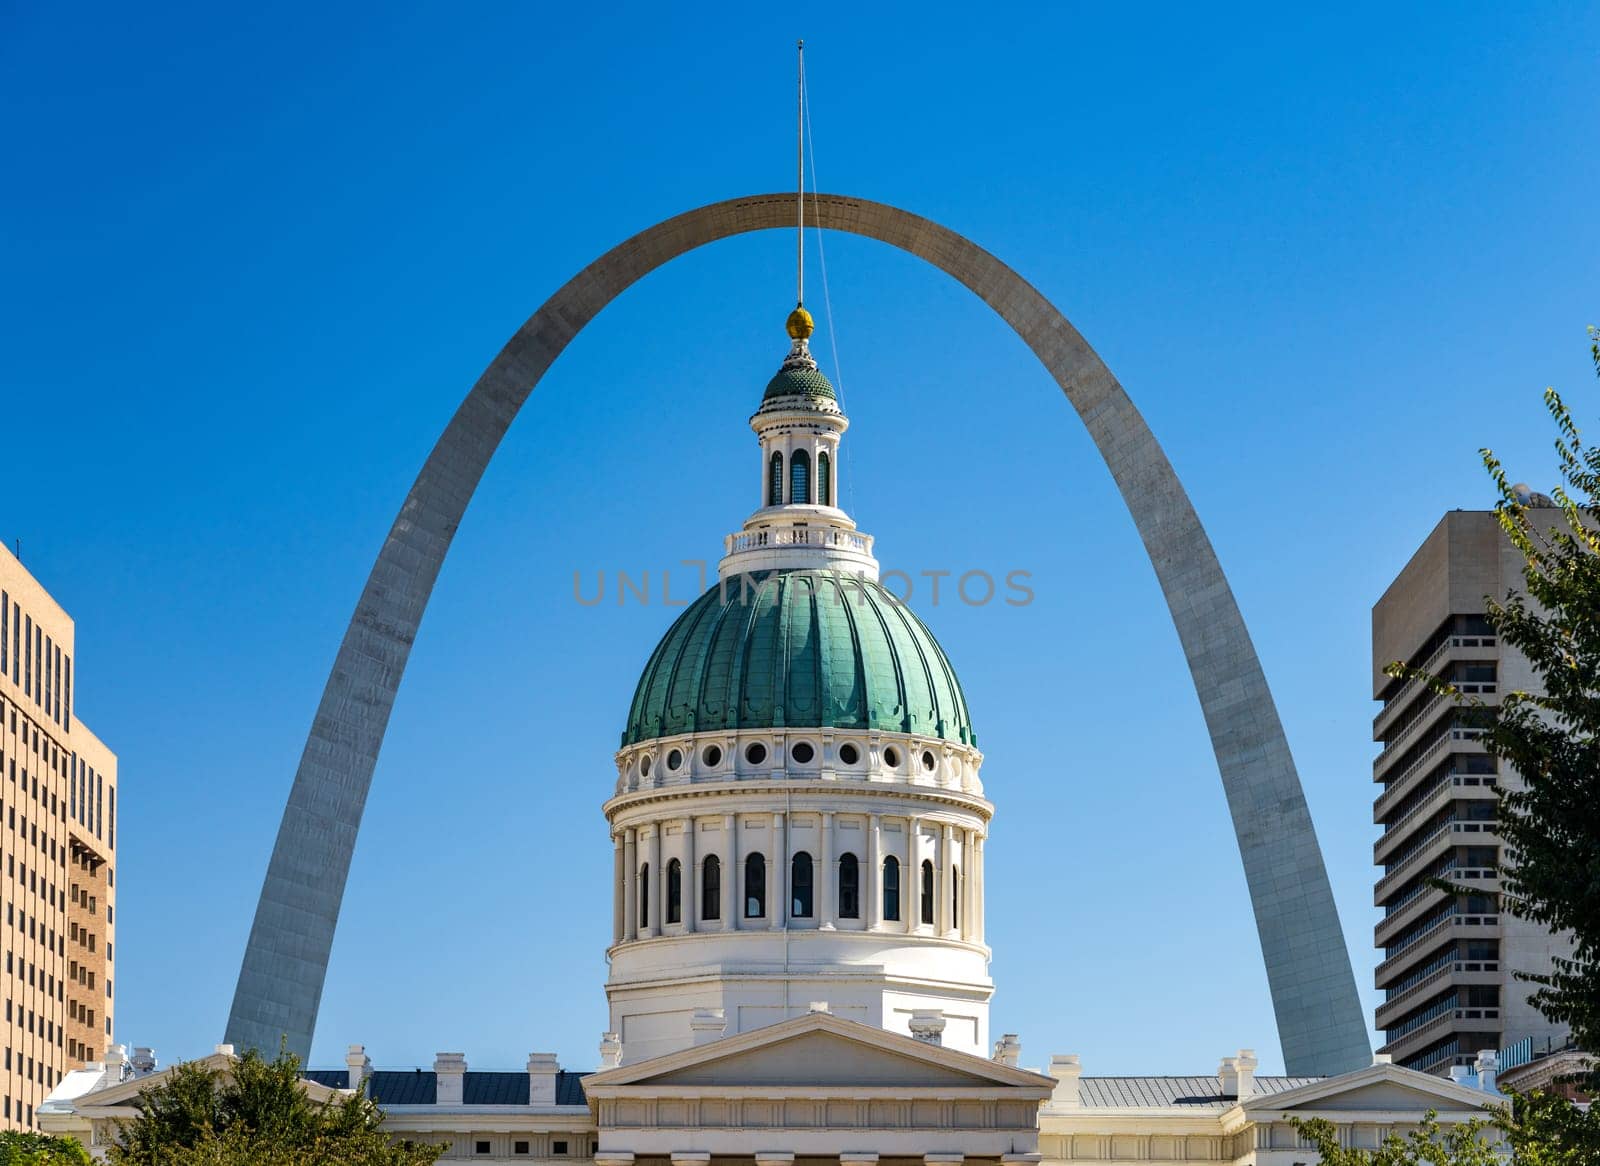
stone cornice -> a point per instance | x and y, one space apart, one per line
807 787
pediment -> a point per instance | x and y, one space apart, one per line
126 1093
1378 1087
819 1051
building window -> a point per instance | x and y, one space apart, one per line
955 896
891 889
824 479
927 892
674 891
558 1147
711 888
644 895
519 1147
800 886
775 481
849 887
799 478
755 886
480 1147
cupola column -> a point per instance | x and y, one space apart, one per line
873 884
619 893
978 891
969 884
911 885
730 872
653 887
946 868
630 890
691 882
826 876
778 880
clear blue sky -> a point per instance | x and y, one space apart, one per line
254 256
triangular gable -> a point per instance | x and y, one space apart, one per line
126 1093
818 1050
1377 1087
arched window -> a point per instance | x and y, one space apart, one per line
927 892
891 889
799 478
775 481
849 887
824 479
674 891
644 895
800 886
711 888
755 886
955 896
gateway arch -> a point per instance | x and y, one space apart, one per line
1308 968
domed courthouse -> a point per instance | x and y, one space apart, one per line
798 968
798 813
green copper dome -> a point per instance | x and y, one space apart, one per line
798 381
799 649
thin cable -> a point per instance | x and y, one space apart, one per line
800 173
827 299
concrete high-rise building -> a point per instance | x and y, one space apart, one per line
58 831
1448 963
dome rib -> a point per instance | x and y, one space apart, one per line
775 654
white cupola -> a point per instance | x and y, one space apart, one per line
798 522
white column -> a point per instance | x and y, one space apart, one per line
911 880
778 874
731 872
630 886
653 889
619 892
978 889
969 868
873 883
691 876
944 866
824 877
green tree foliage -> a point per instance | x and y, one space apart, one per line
24 1149
1546 1130
1552 738
1470 1143
258 1114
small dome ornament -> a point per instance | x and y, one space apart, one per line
799 324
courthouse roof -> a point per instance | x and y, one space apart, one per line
420 1086
1166 1092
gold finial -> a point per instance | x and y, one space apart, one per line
799 324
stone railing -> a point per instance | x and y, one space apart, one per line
798 536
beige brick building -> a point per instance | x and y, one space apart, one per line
58 834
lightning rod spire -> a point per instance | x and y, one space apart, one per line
800 174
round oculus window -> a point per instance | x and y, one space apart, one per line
803 753
644 767
849 754
891 757
674 760
928 762
755 754
712 756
